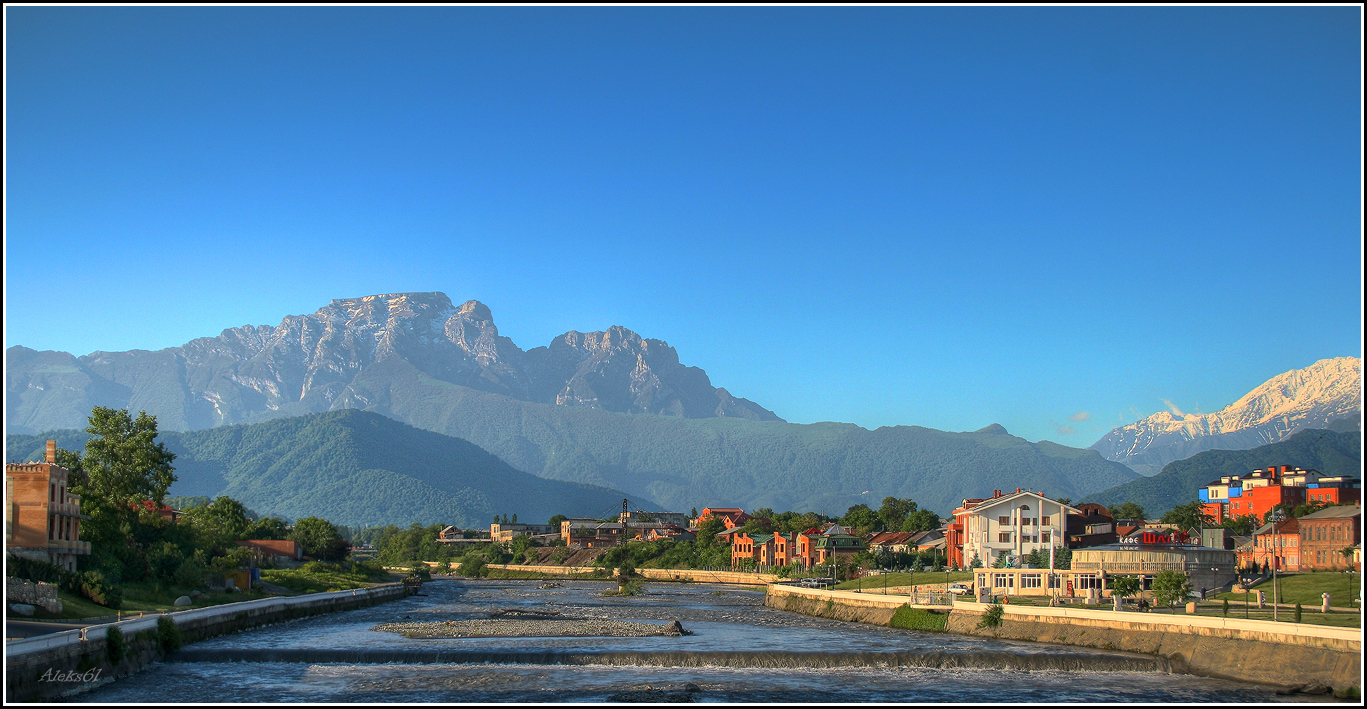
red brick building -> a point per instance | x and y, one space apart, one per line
42 517
1324 536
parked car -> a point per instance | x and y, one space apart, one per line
959 589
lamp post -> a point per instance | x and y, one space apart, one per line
1277 516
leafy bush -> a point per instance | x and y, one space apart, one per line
114 643
190 573
918 619
168 634
1297 616
93 585
472 566
993 617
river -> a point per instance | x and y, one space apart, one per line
739 651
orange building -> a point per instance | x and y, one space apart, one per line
42 517
1258 492
1325 534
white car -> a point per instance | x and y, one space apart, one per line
959 589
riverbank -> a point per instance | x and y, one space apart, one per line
1282 654
88 656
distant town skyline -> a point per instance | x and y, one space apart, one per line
1056 219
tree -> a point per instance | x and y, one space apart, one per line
319 539
1242 525
123 464
895 511
1127 510
976 563
220 523
1125 586
267 528
862 518
920 521
514 518
556 520
1171 587
1064 500
1188 517
693 513
708 531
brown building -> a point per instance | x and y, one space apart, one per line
43 518
275 551
1276 545
1325 534
1091 527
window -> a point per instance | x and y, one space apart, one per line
1055 581
1030 580
1044 538
1046 520
1003 520
1085 581
1003 580
1004 537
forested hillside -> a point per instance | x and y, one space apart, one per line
354 467
1330 452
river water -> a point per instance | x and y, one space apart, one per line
740 651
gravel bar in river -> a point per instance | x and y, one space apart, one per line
528 628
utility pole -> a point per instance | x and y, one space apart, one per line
1276 559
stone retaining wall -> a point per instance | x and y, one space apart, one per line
43 595
1284 654
85 652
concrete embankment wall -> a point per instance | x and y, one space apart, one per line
1287 654
86 652
694 575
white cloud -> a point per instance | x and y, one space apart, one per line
1080 416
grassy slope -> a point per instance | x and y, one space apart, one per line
1329 452
899 579
1305 589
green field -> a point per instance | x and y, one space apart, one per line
1305 588
903 579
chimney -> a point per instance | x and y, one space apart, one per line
1286 468
1018 490
52 451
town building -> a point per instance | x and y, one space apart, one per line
1205 567
1276 545
279 552
1091 526
893 542
1258 492
1337 490
731 517
455 535
1012 524
836 544
506 532
1325 534
42 517
678 519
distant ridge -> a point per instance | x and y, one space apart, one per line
1313 397
355 467
1330 452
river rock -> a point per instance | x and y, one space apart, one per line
182 602
22 608
1315 688
675 629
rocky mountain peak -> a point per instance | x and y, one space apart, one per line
476 310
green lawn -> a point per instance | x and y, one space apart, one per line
1208 608
903 579
140 597
1305 588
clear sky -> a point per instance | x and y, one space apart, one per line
1050 218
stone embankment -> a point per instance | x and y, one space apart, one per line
87 655
1285 654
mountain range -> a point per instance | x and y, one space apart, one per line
353 467
1313 397
607 408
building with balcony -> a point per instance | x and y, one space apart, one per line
42 517
1013 524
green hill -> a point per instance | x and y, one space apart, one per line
354 467
1330 452
684 463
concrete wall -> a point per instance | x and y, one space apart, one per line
1288 654
85 650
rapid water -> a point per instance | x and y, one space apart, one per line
740 651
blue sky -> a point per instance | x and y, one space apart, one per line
943 217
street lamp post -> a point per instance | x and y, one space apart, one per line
1277 516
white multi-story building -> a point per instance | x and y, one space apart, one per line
1014 524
